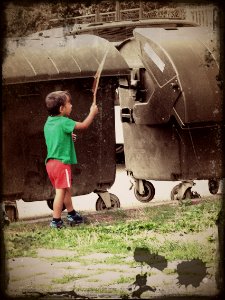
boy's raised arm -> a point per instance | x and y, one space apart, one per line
87 122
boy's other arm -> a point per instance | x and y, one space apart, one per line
87 122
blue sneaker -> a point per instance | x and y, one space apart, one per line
76 219
58 225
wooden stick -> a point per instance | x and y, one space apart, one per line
98 75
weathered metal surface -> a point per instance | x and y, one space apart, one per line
35 68
119 31
185 76
172 107
24 149
173 101
170 153
63 57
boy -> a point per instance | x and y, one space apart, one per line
58 132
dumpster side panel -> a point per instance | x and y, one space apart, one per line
169 153
22 139
24 149
172 117
151 153
201 153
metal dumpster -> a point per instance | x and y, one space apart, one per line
171 110
32 68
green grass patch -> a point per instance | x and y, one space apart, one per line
130 230
188 251
123 279
68 278
168 271
62 259
114 260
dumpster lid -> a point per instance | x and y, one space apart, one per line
40 59
119 31
113 31
182 57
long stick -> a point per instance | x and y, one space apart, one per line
98 75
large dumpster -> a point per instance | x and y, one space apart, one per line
32 68
171 110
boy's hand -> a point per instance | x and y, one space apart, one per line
74 137
94 109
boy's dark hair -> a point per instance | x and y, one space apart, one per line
54 100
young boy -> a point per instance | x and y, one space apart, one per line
61 154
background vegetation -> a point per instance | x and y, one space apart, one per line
23 17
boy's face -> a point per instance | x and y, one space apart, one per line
67 108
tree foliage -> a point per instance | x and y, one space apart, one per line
24 17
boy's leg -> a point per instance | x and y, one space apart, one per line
68 200
57 209
73 217
58 203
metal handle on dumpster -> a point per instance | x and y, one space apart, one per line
126 115
175 86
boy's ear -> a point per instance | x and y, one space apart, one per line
61 108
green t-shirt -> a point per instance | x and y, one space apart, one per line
58 137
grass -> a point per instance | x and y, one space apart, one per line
169 271
67 278
124 233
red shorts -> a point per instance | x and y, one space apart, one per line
59 174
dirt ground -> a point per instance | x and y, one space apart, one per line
92 278
62 274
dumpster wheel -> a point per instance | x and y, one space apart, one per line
50 204
11 212
187 194
115 203
148 194
213 185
